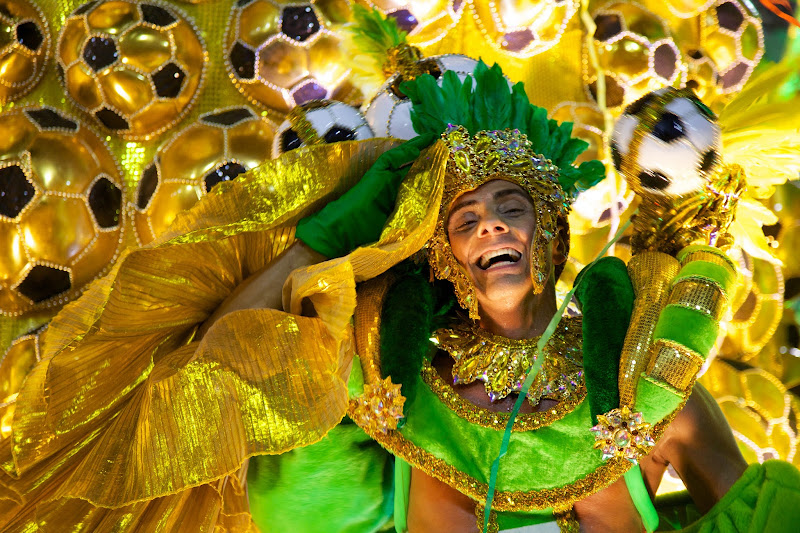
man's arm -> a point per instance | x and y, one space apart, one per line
264 288
700 446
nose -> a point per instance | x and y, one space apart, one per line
492 225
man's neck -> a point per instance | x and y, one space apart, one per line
520 320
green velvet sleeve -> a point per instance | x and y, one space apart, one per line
765 499
358 216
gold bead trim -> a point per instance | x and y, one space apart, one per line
699 295
567 521
494 420
674 364
493 526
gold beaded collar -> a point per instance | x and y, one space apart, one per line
502 364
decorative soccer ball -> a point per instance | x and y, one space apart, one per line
637 52
320 122
524 29
60 209
24 48
389 111
135 66
731 36
281 54
666 143
218 147
426 21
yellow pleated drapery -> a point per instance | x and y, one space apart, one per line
129 421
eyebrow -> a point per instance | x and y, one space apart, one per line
497 196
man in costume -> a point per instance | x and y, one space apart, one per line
500 232
186 375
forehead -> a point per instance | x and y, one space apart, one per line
491 191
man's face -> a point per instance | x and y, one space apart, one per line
490 231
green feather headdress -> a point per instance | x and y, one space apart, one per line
485 102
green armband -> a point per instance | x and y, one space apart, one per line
358 216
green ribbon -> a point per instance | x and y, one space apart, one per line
532 373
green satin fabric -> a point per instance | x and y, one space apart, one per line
343 483
548 457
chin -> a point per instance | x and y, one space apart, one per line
506 290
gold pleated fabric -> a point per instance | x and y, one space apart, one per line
129 421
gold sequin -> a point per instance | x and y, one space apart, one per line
674 364
651 275
699 295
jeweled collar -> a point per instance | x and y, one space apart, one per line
502 363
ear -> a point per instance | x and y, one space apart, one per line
560 245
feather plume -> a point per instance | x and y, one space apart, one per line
484 101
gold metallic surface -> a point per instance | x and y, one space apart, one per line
651 275
674 364
202 149
16 363
757 305
56 226
734 47
380 406
151 81
494 419
366 321
22 61
502 364
268 66
169 416
701 296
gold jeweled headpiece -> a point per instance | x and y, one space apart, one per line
489 155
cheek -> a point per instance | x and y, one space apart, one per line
459 246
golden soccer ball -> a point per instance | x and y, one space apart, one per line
136 67
218 147
732 38
425 21
280 54
636 51
320 122
61 213
524 29
24 48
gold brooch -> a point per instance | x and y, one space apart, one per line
622 433
380 407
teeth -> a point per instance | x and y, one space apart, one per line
486 258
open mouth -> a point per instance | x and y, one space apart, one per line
496 257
